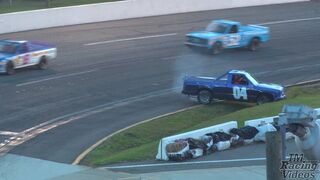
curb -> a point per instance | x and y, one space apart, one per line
303 83
87 151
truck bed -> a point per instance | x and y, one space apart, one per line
254 28
39 46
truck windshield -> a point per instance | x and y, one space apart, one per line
216 27
252 80
7 48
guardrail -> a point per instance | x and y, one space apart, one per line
225 127
45 18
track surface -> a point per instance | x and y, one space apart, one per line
97 89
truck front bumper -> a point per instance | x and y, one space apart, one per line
189 44
282 96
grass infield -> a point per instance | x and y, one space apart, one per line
25 5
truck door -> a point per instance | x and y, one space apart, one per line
24 56
233 38
240 87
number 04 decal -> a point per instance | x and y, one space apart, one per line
239 92
234 40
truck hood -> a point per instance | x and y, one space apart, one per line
198 79
269 86
204 34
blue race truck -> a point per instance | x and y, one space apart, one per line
234 85
18 54
223 34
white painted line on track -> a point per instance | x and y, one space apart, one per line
289 21
288 69
184 163
8 133
56 77
130 39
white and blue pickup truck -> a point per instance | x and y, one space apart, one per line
18 54
235 85
225 34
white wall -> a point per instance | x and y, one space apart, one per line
21 21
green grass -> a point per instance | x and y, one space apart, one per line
24 5
141 142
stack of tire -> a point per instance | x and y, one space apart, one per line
183 149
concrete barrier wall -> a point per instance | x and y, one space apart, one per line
225 127
21 21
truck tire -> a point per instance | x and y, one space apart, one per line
205 97
217 48
10 68
43 63
254 44
262 99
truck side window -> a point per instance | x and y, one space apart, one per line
239 79
24 48
234 29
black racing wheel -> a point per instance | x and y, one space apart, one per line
43 63
254 44
10 68
205 97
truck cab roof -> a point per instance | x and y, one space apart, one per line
246 74
223 21
238 72
14 41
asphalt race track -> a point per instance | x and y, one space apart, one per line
110 75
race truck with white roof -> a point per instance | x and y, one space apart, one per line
225 34
18 54
235 85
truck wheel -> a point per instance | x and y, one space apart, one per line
204 97
254 44
217 48
43 64
10 68
262 99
